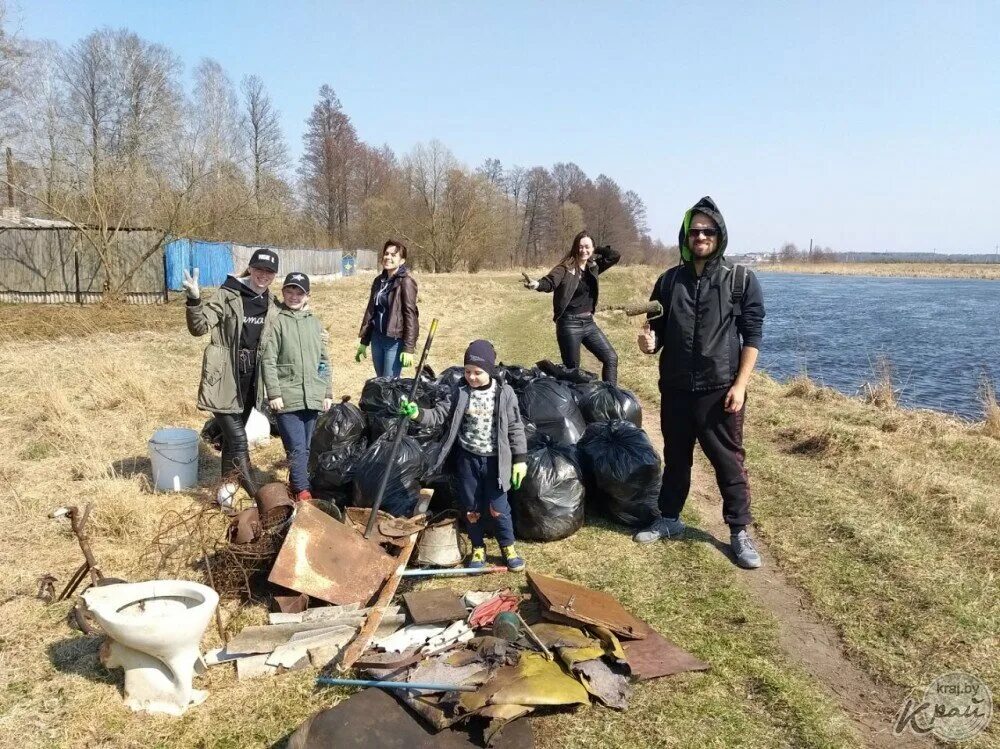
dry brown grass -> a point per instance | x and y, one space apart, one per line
881 390
990 271
885 517
81 405
991 409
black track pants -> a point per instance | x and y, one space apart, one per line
574 330
687 417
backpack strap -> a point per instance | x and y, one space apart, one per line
737 286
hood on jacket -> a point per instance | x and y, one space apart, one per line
284 309
239 286
708 207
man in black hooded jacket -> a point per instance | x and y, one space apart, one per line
708 338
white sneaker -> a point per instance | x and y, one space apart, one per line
226 496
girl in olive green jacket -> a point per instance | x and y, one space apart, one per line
297 378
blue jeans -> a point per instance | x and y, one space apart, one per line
296 429
481 497
385 355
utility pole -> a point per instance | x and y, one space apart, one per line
10 177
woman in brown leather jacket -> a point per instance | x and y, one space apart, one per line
391 322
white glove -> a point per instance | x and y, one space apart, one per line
277 405
190 284
327 404
533 285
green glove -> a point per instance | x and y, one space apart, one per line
406 359
408 409
361 353
517 473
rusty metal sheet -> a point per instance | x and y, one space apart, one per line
372 718
563 601
656 656
329 560
434 606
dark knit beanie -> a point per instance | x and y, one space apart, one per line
482 355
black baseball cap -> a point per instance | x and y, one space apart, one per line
264 259
297 279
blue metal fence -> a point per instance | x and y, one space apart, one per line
214 261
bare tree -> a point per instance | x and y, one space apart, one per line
331 145
538 225
12 54
260 128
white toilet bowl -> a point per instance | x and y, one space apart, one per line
154 632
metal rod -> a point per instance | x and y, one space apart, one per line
166 283
396 685
400 431
454 571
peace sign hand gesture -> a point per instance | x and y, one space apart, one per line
190 283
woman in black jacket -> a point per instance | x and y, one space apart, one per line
574 285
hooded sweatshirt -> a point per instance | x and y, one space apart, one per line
254 310
700 335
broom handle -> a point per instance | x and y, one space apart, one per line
400 431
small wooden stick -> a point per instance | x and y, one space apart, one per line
353 651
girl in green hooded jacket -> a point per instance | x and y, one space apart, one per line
297 378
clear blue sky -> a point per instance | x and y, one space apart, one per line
864 125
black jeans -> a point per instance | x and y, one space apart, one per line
573 330
235 450
686 417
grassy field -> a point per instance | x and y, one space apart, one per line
916 270
884 518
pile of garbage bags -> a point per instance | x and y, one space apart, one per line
586 446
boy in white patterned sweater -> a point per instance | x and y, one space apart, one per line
485 438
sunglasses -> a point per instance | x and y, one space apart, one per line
710 233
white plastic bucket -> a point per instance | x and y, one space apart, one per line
173 453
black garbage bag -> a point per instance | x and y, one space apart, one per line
342 426
550 406
333 475
519 377
621 470
451 377
380 399
564 373
212 434
403 487
602 401
549 505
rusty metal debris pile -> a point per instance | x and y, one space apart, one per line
472 664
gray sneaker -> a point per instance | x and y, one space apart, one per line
746 553
662 528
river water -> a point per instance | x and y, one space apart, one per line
941 335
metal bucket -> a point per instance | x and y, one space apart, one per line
438 544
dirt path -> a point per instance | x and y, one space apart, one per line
803 636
